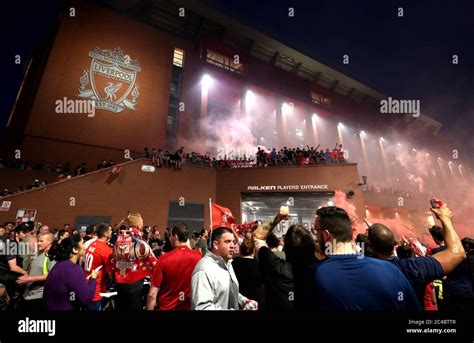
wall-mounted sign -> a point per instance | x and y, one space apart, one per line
288 188
147 168
5 206
26 214
110 80
241 164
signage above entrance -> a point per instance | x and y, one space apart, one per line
288 188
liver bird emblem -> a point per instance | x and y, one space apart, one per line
111 89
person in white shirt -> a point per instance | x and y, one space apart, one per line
213 283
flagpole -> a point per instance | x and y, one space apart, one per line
210 212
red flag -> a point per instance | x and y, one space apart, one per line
221 216
133 259
116 169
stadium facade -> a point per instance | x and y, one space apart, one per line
118 76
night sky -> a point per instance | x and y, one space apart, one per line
409 57
23 25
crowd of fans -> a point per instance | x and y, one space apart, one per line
167 159
62 170
263 158
297 156
133 267
59 168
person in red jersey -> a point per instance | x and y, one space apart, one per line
98 256
133 261
171 280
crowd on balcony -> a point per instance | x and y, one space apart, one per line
62 170
300 156
287 156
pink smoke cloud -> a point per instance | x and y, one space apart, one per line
418 181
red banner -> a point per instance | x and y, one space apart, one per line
241 164
242 229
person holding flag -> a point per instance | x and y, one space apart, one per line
133 261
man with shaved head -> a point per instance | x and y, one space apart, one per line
383 239
38 272
420 271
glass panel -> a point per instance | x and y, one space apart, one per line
264 206
224 62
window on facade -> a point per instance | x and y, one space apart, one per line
178 58
224 62
174 99
320 99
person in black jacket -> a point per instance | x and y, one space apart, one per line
468 244
248 274
287 283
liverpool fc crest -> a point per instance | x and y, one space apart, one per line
110 80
